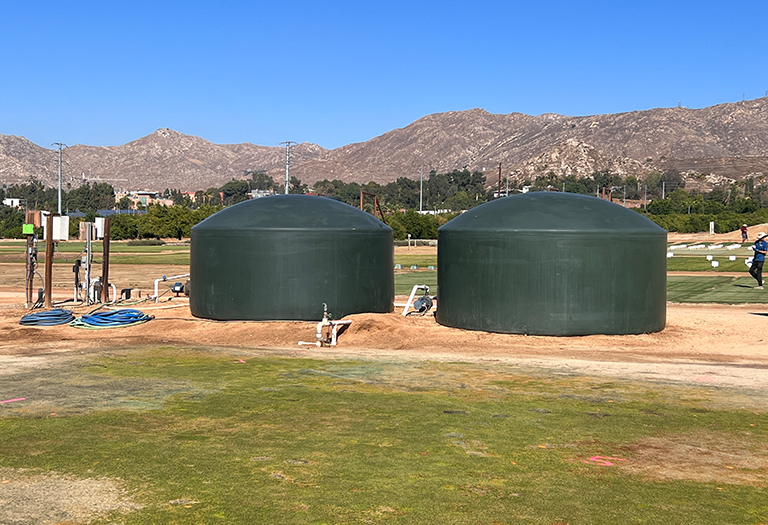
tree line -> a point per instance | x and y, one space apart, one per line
444 195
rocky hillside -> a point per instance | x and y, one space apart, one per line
638 140
727 141
163 159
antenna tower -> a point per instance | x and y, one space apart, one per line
288 144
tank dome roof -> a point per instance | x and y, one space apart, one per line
552 212
292 212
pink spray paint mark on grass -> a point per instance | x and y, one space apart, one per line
12 400
603 460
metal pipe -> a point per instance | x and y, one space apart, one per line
49 261
88 260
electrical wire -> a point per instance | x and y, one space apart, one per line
61 255
48 318
111 319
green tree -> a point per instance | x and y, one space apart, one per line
261 181
296 187
125 203
235 191
124 226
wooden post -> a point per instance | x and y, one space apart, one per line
49 261
105 265
499 193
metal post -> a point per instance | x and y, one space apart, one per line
625 195
49 261
30 270
105 264
88 258
663 190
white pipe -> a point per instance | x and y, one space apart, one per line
326 322
164 278
336 325
413 294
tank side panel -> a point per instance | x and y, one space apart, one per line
288 275
550 284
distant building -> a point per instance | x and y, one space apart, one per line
108 213
144 198
13 203
257 194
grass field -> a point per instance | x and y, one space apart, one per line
679 288
296 441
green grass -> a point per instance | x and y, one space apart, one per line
714 289
680 289
301 441
422 261
405 281
690 263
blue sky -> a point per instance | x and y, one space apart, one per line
338 72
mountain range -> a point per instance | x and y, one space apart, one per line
725 142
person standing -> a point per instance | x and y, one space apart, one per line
743 233
756 270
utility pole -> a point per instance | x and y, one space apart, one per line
60 145
288 144
663 190
499 180
421 188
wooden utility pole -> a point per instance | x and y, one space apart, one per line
499 194
105 264
375 205
48 261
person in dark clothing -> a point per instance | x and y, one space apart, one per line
756 270
744 233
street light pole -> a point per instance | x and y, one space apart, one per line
60 145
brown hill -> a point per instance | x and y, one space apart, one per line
727 140
480 141
163 159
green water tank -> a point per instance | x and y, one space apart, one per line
550 263
282 257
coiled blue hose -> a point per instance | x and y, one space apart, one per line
48 318
111 319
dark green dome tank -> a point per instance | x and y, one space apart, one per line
549 263
282 257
